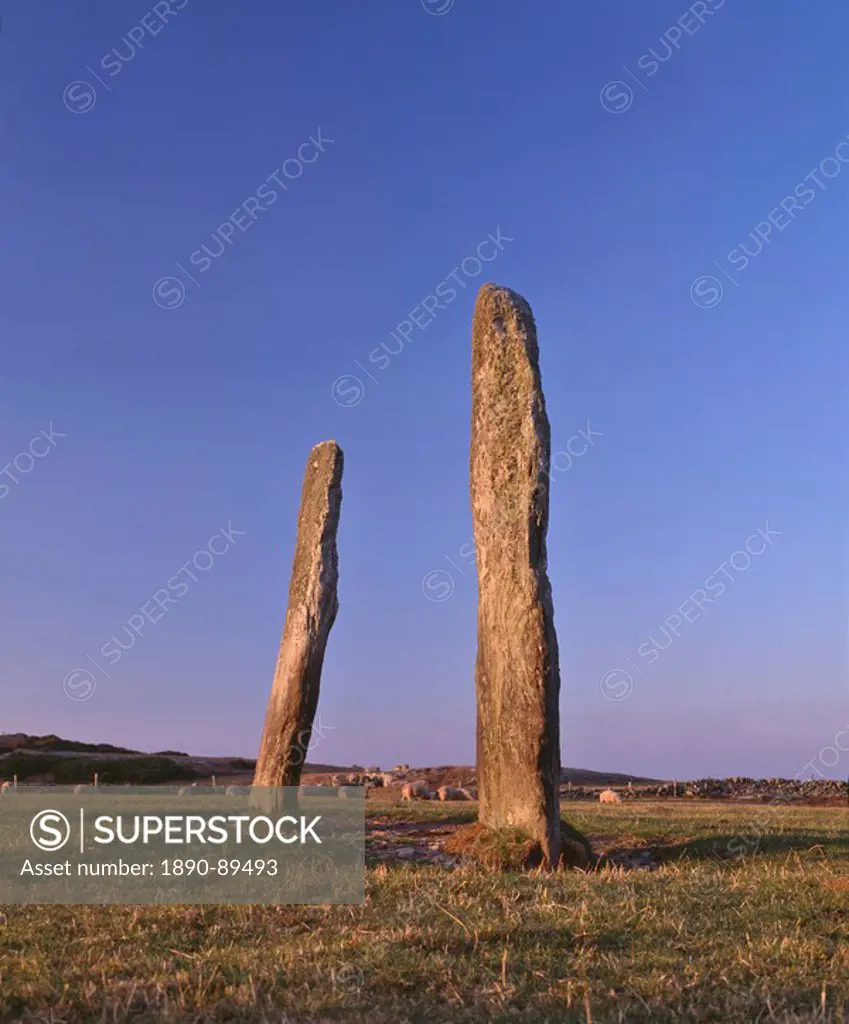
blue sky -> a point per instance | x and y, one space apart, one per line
626 151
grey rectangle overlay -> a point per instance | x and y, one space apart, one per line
163 845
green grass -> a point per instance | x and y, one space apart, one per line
708 937
425 811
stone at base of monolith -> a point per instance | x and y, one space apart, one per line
512 849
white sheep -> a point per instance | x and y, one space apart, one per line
415 791
451 793
609 796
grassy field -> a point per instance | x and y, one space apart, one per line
745 919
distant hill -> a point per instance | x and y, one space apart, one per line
70 768
585 777
52 744
54 759
184 766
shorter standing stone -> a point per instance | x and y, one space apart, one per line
310 614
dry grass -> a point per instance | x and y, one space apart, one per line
710 936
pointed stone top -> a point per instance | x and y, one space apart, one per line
326 448
326 454
499 313
490 288
495 297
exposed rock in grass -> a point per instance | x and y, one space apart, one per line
513 849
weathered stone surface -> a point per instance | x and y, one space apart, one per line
309 617
518 675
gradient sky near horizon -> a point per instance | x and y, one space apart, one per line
714 382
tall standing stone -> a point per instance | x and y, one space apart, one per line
517 674
309 617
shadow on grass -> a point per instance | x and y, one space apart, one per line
400 825
413 814
750 843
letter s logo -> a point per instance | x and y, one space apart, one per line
50 830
